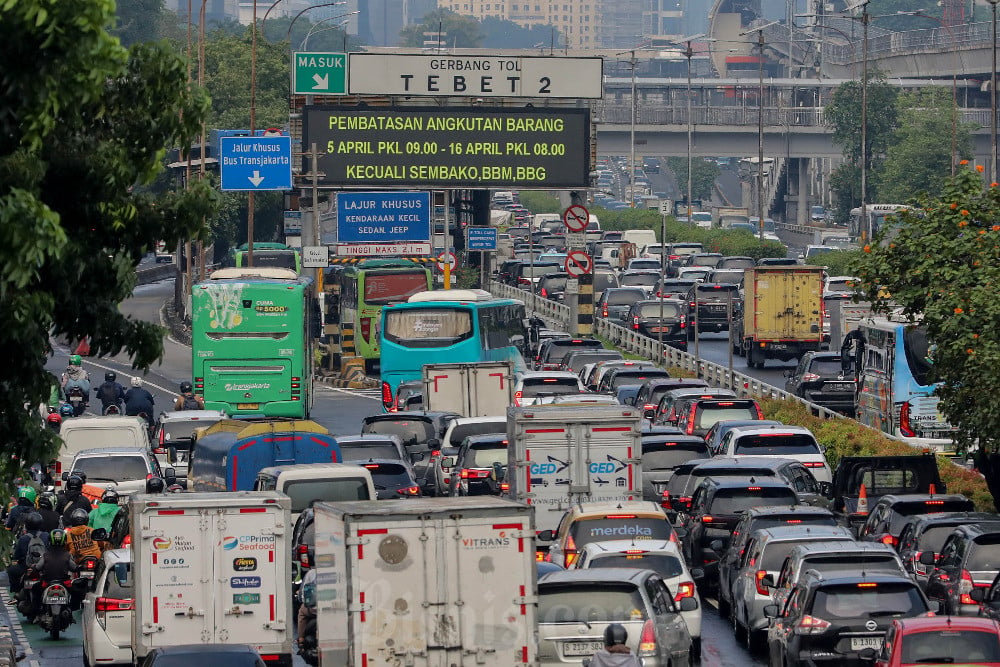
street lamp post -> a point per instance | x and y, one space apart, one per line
631 173
993 95
689 53
760 122
305 42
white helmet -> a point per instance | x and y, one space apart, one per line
136 381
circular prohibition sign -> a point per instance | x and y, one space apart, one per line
576 218
578 263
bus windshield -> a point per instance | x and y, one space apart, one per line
428 327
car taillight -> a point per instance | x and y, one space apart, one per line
523 281
890 540
504 487
544 293
809 377
113 604
708 518
435 452
569 552
647 640
965 587
684 590
813 464
635 323
366 328
386 395
604 311
690 421
302 552
683 322
904 420
409 491
517 398
762 590
810 625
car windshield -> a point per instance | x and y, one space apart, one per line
484 456
463 431
604 601
620 527
305 492
792 518
110 468
665 565
554 284
623 297
845 562
670 310
389 475
734 501
364 451
933 538
985 555
845 285
539 270
951 646
779 444
174 431
636 377
867 599
667 455
581 359
707 415
409 432
733 277
639 279
826 366
548 386
603 281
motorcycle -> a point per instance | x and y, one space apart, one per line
54 614
113 409
309 645
25 598
78 400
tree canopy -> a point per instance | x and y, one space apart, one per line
503 34
457 31
703 175
84 124
942 267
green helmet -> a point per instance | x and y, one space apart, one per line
57 538
27 492
75 360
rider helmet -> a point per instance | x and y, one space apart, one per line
65 410
75 360
27 493
74 484
110 377
33 521
57 538
615 634
47 501
79 517
110 496
155 485
136 381
186 387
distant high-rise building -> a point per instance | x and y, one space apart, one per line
575 21
380 21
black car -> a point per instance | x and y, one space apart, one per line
928 532
406 393
831 620
655 319
661 455
507 273
552 352
890 512
615 303
577 359
552 286
715 509
710 260
528 273
392 479
820 378
969 559
477 466
712 301
653 390
420 432
219 655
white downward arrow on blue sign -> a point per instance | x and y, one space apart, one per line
256 179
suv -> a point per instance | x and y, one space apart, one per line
575 606
787 442
661 454
577 359
672 403
651 392
665 318
703 413
970 558
616 302
606 520
552 286
420 432
714 511
927 532
533 385
820 378
552 352
889 513
833 620
677 254
624 375
645 280
108 612
713 309
707 259
720 428
476 465
758 567
174 436
124 468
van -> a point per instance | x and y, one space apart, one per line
307 483
539 218
83 433
640 237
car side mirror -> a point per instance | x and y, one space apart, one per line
927 558
789 373
169 476
978 594
716 546
826 489
65 476
681 532
649 414
547 535
771 611
868 654
688 604
697 573
767 581
99 534
434 443
418 456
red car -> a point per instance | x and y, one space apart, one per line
957 640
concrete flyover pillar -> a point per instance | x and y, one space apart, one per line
802 212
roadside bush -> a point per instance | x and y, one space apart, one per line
840 262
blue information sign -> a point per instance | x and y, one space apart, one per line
482 238
383 217
255 163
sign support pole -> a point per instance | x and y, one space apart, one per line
585 306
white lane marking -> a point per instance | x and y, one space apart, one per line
356 393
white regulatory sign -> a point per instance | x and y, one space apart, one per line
315 256
475 75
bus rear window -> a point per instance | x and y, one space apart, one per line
282 259
393 287
428 327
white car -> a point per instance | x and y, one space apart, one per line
533 386
779 441
126 469
438 477
108 611
663 557
840 285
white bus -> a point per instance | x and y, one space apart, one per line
876 214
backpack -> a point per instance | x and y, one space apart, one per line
190 403
108 393
36 549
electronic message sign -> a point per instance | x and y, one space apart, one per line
453 147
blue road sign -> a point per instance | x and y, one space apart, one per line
482 238
383 217
255 163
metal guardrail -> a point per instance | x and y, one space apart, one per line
156 273
649 348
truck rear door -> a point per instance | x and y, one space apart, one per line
250 565
787 305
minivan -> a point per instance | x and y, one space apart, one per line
308 483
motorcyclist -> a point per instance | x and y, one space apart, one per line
56 565
79 536
110 393
188 400
26 496
47 510
72 498
156 485
139 401
103 516
615 652
19 559
75 376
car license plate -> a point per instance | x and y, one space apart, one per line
838 386
582 648
861 643
778 346
248 406
656 329
87 574
717 308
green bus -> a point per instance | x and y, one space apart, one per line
251 342
273 255
368 286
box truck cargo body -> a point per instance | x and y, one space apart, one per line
482 389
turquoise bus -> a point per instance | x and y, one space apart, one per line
251 342
270 255
894 395
366 287
448 326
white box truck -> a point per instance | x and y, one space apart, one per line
214 568
428 582
562 454
482 389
